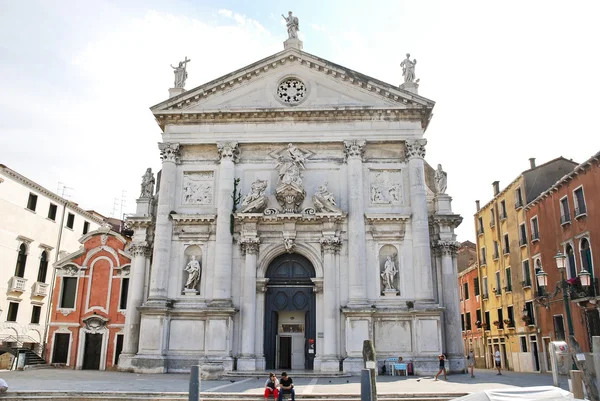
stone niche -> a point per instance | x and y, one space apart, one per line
389 273
196 252
197 188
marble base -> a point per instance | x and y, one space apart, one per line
188 292
211 371
411 87
175 91
293 43
353 365
443 204
329 365
390 293
247 364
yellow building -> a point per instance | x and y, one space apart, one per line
505 273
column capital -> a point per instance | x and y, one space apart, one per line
228 150
330 244
249 245
139 249
447 247
169 152
416 148
354 148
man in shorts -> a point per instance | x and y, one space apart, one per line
497 360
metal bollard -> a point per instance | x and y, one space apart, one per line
366 385
195 382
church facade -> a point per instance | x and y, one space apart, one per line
295 217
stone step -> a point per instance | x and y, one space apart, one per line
127 396
306 373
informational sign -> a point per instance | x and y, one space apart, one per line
371 364
580 357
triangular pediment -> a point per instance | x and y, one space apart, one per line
321 85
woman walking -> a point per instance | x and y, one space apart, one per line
442 359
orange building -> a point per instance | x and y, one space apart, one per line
566 218
89 302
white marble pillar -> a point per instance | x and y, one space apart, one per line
137 274
330 359
357 269
247 360
415 151
159 277
228 152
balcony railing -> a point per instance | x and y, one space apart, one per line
496 255
576 291
523 241
485 295
518 204
580 211
480 231
39 289
526 283
565 219
508 288
506 250
503 216
17 284
498 291
535 236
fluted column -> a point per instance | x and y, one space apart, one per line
140 252
228 152
357 270
415 150
159 278
249 247
453 341
330 246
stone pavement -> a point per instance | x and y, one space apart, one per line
85 380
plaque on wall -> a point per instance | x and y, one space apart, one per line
198 188
386 187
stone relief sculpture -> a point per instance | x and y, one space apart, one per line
386 187
325 201
147 184
193 269
388 274
289 244
441 180
408 69
256 201
180 73
290 191
198 188
292 25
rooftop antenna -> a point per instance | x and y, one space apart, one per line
62 189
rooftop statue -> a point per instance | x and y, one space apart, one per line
292 25
408 69
180 73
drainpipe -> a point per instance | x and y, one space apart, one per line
52 285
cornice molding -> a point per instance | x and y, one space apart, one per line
193 218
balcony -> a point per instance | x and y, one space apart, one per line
39 289
17 284
565 219
579 293
580 212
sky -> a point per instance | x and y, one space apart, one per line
511 80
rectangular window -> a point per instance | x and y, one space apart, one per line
124 293
500 319
508 280
492 218
468 322
498 284
480 225
70 220
462 322
530 315
478 315
52 212
487 320
559 328
579 200
69 290
13 311
466 290
502 210
535 231
506 244
510 315
476 286
483 259
518 198
35 314
485 287
496 250
565 215
32 202
86 227
523 343
523 235
526 274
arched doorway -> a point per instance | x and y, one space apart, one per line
290 315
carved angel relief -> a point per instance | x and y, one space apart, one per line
386 187
198 188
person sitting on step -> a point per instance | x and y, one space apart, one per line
286 386
272 386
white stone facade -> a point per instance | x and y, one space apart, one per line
375 252
34 228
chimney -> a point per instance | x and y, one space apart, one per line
496 185
532 162
477 204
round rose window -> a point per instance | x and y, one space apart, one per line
291 91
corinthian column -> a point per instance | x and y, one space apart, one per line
415 150
249 247
228 152
159 279
357 270
330 359
140 252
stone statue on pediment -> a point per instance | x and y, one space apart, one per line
325 201
292 25
147 184
256 201
441 180
180 73
408 69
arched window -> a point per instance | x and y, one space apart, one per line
586 256
571 268
43 267
21 260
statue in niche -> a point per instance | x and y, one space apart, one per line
289 165
388 274
292 25
408 69
193 269
147 184
256 201
325 201
441 180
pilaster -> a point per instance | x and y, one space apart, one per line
330 360
249 247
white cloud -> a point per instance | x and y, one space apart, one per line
320 28
226 13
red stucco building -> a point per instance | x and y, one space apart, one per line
566 218
89 302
